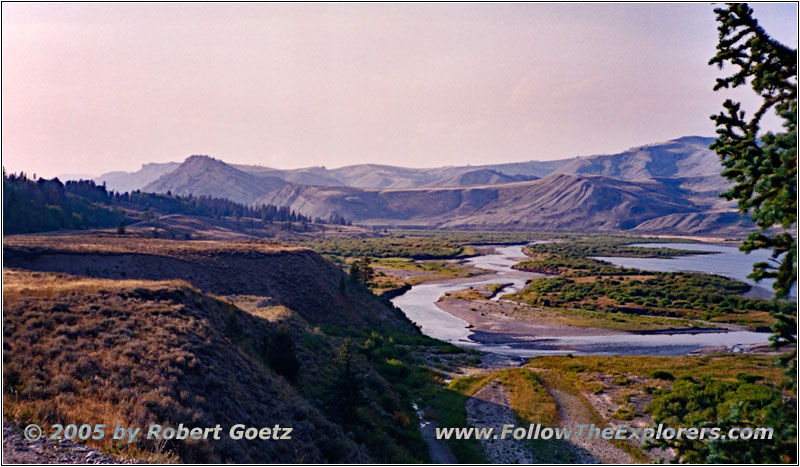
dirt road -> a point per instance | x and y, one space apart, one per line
572 412
489 407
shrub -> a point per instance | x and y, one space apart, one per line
748 378
625 412
621 380
662 374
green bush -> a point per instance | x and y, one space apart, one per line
625 412
662 374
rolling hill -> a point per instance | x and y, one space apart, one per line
115 329
205 176
559 202
683 157
669 187
480 177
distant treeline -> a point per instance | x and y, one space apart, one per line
44 205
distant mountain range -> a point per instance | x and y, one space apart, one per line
202 175
132 181
664 188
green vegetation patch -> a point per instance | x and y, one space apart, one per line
589 284
723 367
707 402
389 246
687 391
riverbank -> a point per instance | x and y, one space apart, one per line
460 312
501 384
510 326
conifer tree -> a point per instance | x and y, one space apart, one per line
763 167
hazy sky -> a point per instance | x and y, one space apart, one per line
95 87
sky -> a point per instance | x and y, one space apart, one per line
95 87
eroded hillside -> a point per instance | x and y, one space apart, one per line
138 352
294 277
140 331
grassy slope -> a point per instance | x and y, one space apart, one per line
295 277
200 333
140 352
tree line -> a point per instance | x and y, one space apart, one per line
42 205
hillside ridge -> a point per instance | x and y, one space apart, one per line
378 176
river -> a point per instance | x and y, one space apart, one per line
726 261
419 304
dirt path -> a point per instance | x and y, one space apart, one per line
573 412
489 407
439 451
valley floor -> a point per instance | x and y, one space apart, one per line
160 329
605 391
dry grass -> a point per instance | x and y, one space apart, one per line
469 385
104 329
465 294
528 398
295 277
18 283
135 352
262 307
619 389
114 244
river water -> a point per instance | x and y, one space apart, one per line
727 261
419 304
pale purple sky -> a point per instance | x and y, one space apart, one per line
95 87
